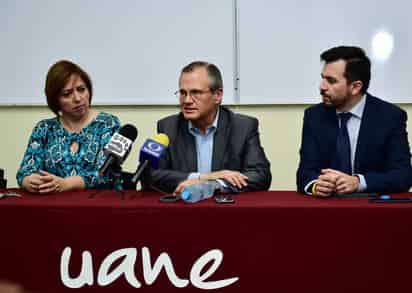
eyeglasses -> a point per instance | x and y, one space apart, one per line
195 94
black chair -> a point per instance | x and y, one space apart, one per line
3 181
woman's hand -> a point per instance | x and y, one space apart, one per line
32 182
45 182
51 183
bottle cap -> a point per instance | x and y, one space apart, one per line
185 195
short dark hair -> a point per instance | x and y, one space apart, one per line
216 82
57 77
358 65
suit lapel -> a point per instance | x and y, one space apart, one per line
187 147
332 130
366 124
221 139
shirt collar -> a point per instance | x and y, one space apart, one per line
357 110
192 128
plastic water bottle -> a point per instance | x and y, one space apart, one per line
196 192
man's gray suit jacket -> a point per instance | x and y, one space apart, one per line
236 147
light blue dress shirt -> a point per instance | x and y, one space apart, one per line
204 147
353 126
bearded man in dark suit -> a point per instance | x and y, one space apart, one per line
353 141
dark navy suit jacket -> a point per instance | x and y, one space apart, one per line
382 152
236 147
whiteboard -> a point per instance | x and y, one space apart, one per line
280 43
132 49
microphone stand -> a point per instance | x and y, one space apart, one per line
143 170
106 165
139 172
117 172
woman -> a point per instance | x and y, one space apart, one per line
65 152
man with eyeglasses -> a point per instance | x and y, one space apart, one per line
352 142
207 140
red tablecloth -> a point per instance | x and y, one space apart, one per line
271 241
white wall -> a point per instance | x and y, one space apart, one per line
134 49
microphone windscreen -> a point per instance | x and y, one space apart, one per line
150 155
128 131
162 139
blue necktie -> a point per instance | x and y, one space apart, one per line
343 153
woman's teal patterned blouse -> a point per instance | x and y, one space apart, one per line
49 150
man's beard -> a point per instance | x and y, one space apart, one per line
330 101
326 99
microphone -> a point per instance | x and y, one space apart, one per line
150 154
118 147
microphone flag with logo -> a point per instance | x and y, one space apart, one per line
118 147
150 154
